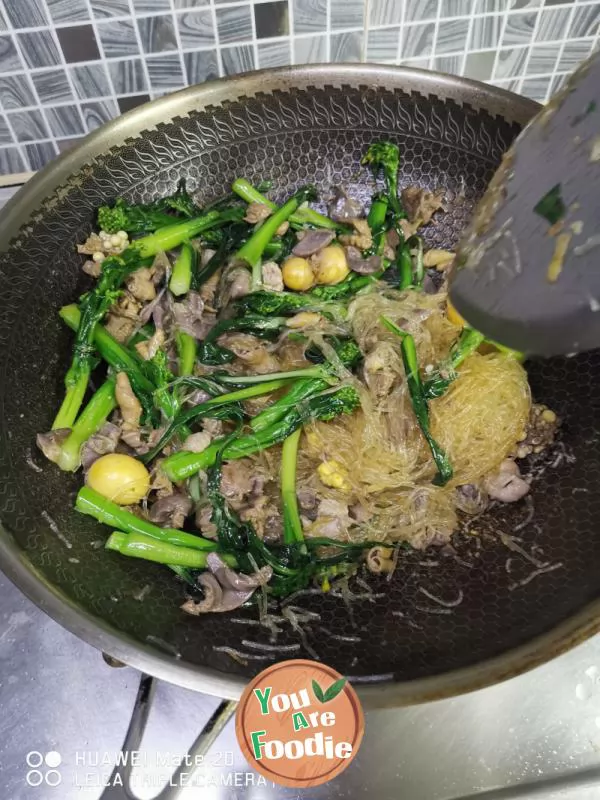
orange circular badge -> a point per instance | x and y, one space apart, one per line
299 723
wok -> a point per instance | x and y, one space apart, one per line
292 126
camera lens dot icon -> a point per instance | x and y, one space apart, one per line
53 759
34 759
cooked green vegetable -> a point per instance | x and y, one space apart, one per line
139 545
224 406
292 526
325 407
144 218
302 216
419 401
183 269
385 157
91 419
95 505
252 251
467 343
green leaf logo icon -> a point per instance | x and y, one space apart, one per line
329 694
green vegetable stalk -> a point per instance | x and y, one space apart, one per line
327 406
303 216
209 408
91 419
138 545
377 223
419 401
183 269
467 343
186 353
385 156
251 252
121 359
95 505
292 526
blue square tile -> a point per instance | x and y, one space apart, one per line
105 9
148 6
16 91
347 13
97 113
64 121
234 24
237 59
346 46
196 29
9 57
271 19
165 72
274 54
78 43
39 154
119 38
309 15
52 86
310 50
201 66
128 77
385 12
39 49
62 11
452 36
382 44
6 136
90 81
417 41
157 34
28 125
11 161
26 13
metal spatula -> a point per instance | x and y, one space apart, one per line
528 269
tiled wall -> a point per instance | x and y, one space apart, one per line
66 66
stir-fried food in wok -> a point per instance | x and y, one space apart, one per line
264 396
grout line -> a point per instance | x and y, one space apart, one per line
217 46
503 25
364 48
561 49
178 40
103 59
533 41
399 53
291 31
328 31
436 31
143 55
463 64
254 41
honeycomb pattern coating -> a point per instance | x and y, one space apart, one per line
292 137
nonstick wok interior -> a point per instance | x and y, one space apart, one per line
293 136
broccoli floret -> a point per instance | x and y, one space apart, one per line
385 156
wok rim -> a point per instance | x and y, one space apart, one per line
97 632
